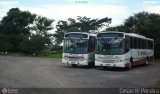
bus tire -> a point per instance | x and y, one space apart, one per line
102 67
130 64
146 62
74 65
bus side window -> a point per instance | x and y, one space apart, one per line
127 44
143 44
147 44
152 44
135 43
139 43
131 42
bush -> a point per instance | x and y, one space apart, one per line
57 48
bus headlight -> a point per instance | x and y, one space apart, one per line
120 60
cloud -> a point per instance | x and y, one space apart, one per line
154 9
62 12
150 2
5 5
8 4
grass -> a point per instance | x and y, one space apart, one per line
14 54
51 55
157 84
43 54
157 61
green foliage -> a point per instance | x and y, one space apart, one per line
35 44
42 25
25 32
5 44
17 54
157 61
55 55
14 26
44 53
57 48
17 22
157 84
48 54
81 24
143 23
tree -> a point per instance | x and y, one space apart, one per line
34 45
81 24
5 45
17 32
146 24
42 25
57 48
39 40
15 25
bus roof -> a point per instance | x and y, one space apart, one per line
129 34
82 33
138 36
77 32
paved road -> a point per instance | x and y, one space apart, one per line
30 72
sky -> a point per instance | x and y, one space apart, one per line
118 10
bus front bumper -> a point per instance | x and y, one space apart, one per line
82 62
118 64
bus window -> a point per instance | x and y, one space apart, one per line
131 43
135 42
142 43
151 44
127 44
139 43
145 44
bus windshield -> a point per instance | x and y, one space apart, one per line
75 46
110 46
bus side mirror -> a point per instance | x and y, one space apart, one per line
127 50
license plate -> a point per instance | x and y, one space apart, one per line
72 62
107 64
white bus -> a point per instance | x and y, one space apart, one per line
119 49
79 49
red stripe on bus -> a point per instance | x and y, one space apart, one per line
143 61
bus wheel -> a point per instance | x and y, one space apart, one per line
130 64
146 62
74 65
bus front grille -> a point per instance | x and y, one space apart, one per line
74 58
108 61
